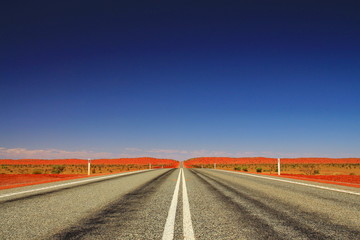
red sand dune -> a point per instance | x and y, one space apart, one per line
262 160
115 161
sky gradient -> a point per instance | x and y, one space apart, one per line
179 79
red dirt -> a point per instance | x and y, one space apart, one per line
20 180
262 160
116 161
345 180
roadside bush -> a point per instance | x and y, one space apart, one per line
237 168
245 169
37 171
259 170
316 171
58 169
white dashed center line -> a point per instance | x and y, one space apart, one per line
168 233
187 224
188 231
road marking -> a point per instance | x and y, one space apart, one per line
187 224
168 233
71 183
299 183
188 231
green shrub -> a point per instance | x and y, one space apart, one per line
237 168
245 169
259 170
58 169
37 171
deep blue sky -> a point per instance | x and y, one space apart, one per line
179 78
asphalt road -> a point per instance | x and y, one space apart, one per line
181 204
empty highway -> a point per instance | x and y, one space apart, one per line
180 204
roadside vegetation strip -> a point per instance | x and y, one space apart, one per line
298 183
71 183
187 223
168 233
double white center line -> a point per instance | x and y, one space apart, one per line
188 231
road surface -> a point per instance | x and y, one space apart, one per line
181 204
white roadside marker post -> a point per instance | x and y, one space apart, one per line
279 166
89 160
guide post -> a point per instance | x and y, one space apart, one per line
279 166
89 160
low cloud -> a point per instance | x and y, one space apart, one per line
130 152
17 153
133 149
181 154
171 151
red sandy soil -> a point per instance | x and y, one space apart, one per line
118 161
345 180
262 160
20 180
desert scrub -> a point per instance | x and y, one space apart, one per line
58 169
259 170
37 171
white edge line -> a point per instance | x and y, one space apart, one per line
187 224
299 183
71 183
168 233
